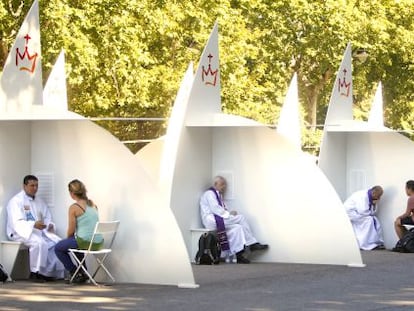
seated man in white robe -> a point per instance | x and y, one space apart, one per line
233 231
29 221
361 208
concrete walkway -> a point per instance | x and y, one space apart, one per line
387 283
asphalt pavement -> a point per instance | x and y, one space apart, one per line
386 283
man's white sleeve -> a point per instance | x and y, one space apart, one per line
351 207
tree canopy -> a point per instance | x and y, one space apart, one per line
126 58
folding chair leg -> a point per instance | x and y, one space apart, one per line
79 267
89 276
84 270
82 267
101 265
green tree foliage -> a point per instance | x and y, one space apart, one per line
12 13
126 58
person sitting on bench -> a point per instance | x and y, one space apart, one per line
29 221
233 230
362 207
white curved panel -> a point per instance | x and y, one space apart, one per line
150 158
226 120
122 189
267 172
356 155
118 183
148 234
15 153
371 152
40 112
286 198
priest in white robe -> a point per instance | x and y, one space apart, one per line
233 230
362 207
29 221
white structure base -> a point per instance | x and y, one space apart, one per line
188 285
356 265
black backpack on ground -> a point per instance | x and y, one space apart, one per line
208 250
406 243
3 274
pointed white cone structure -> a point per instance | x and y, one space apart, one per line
21 81
332 149
376 115
340 104
289 119
202 142
54 93
205 95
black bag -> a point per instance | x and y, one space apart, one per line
208 250
406 243
3 274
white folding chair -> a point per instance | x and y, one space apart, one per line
108 231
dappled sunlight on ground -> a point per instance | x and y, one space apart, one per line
42 296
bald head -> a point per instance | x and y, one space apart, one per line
377 192
219 183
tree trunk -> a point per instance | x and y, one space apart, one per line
312 101
3 53
312 96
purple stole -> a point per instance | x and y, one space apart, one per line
371 206
221 228
371 201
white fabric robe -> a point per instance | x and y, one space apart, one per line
366 225
238 230
41 243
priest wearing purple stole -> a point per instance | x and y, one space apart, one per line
233 231
362 208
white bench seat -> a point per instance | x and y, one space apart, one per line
408 227
9 252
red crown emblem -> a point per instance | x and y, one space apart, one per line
344 87
209 77
26 61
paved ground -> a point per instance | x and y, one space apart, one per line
387 283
